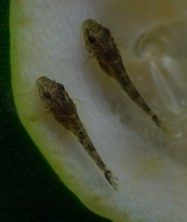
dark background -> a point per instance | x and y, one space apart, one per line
29 189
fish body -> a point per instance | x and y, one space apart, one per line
57 100
100 43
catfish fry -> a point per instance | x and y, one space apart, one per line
100 43
57 100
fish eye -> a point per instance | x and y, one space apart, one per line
91 39
47 95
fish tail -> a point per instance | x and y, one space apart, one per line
111 179
125 82
156 120
159 123
84 139
107 173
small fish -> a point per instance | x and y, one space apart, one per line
57 100
99 41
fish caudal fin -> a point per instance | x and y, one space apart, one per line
159 123
111 179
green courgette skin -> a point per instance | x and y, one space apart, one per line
29 189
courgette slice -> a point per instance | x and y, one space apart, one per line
150 165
